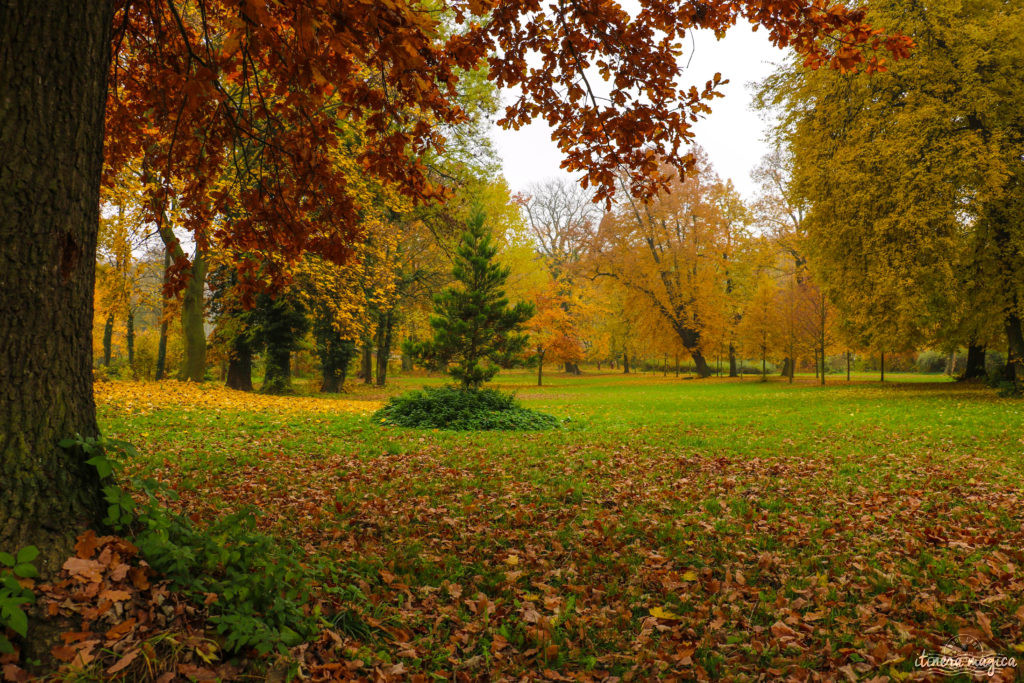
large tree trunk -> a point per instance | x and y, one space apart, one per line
786 362
733 372
161 348
240 364
975 368
193 322
53 70
625 363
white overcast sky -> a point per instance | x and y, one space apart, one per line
733 134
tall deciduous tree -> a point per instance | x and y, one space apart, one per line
908 176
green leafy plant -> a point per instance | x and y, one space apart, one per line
474 325
254 587
13 596
458 409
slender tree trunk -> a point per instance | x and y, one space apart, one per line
129 336
53 70
161 349
950 363
366 371
882 364
540 366
975 368
815 363
625 363
1014 370
847 365
764 367
193 323
384 347
108 337
792 366
239 375
733 370
677 364
822 352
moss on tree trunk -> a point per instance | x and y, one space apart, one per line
54 71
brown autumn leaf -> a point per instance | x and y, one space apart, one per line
125 661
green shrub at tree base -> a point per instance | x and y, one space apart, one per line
463 410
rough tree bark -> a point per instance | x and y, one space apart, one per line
733 372
53 67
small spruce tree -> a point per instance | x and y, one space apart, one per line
474 326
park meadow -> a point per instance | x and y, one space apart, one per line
668 528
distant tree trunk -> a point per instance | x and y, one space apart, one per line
815 363
792 366
882 364
733 370
764 367
239 375
193 327
625 363
1014 370
702 365
277 378
407 360
786 362
677 364
951 363
540 366
571 368
384 328
366 369
129 336
822 352
53 70
975 363
161 348
108 337
847 365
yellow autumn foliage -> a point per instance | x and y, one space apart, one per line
143 398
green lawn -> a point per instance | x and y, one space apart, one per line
670 527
